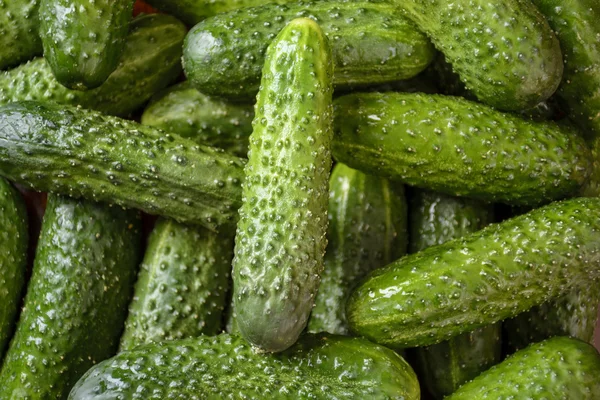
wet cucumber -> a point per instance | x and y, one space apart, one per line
19 37
371 43
86 154
224 366
485 277
280 240
367 230
458 147
76 300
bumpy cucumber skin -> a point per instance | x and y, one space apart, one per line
13 258
488 276
558 368
19 38
185 111
86 154
77 298
83 40
371 43
458 147
281 234
317 367
151 61
367 230
181 287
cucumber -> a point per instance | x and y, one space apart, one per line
76 300
280 239
457 147
83 40
371 43
181 287
224 366
367 230
185 111
558 368
86 154
505 53
19 37
151 60
485 277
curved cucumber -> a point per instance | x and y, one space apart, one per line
19 37
367 230
458 147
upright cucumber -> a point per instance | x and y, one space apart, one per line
19 37
280 240
86 154
77 298
151 60
480 279
371 43
458 147
181 287
83 40
367 230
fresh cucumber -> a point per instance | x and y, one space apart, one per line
181 287
185 111
280 240
367 230
224 366
458 147
86 154
371 43
76 300
151 60
19 37
83 40
485 277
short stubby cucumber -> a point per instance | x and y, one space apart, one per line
151 61
19 36
485 277
458 147
181 287
77 298
558 368
83 40
281 233
371 43
224 366
185 111
505 52
86 154
367 230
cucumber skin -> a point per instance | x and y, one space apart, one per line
223 55
151 60
558 368
83 153
281 234
82 278
83 40
460 148
19 40
367 230
181 287
318 366
459 285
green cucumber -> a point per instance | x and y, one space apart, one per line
76 300
181 287
151 60
83 153
485 277
367 230
185 111
83 40
280 240
458 147
224 366
558 368
19 37
371 43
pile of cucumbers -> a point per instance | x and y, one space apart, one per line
283 199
